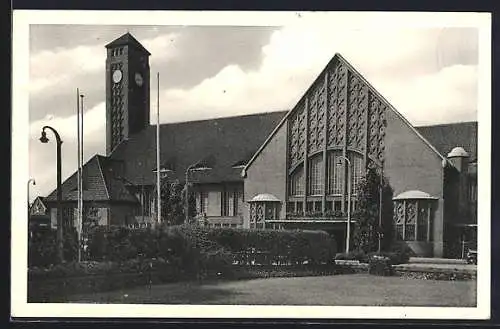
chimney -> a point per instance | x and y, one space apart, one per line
459 158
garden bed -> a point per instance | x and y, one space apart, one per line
435 273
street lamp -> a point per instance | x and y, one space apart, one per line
45 140
31 180
348 233
192 167
161 173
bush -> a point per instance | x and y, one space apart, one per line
380 265
353 255
268 246
42 247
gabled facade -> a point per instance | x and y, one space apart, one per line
340 122
39 217
282 169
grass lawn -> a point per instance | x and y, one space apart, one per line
338 290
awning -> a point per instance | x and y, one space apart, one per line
414 195
264 197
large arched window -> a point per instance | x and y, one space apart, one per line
315 176
336 173
297 182
357 171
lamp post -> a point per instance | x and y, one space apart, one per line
44 140
348 232
381 191
31 180
192 167
163 172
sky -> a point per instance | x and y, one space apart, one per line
430 75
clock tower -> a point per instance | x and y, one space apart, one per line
127 90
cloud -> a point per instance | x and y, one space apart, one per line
61 66
429 75
417 70
43 156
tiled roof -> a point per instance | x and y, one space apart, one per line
220 143
445 137
99 184
127 39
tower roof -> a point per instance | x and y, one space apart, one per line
127 39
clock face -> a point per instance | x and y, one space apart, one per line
138 79
117 76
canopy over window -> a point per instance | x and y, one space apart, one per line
264 197
414 195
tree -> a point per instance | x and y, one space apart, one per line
172 205
367 230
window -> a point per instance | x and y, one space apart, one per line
413 220
229 202
203 202
315 176
335 173
262 211
472 190
297 182
356 171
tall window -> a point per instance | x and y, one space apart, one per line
315 176
229 202
357 171
413 220
472 190
335 173
297 182
203 202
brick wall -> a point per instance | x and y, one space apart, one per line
410 164
267 174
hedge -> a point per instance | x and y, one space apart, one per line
398 254
292 247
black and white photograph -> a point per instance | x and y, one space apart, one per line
251 164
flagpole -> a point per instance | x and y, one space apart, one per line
158 189
78 170
80 224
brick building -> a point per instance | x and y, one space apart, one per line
282 169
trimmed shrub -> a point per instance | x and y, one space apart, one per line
353 255
380 265
42 247
275 246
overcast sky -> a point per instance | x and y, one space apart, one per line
429 75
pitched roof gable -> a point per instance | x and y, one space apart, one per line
221 142
100 183
127 39
447 136
338 58
93 184
38 208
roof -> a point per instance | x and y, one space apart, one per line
222 144
38 207
336 59
101 182
264 197
413 194
127 39
445 137
458 152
